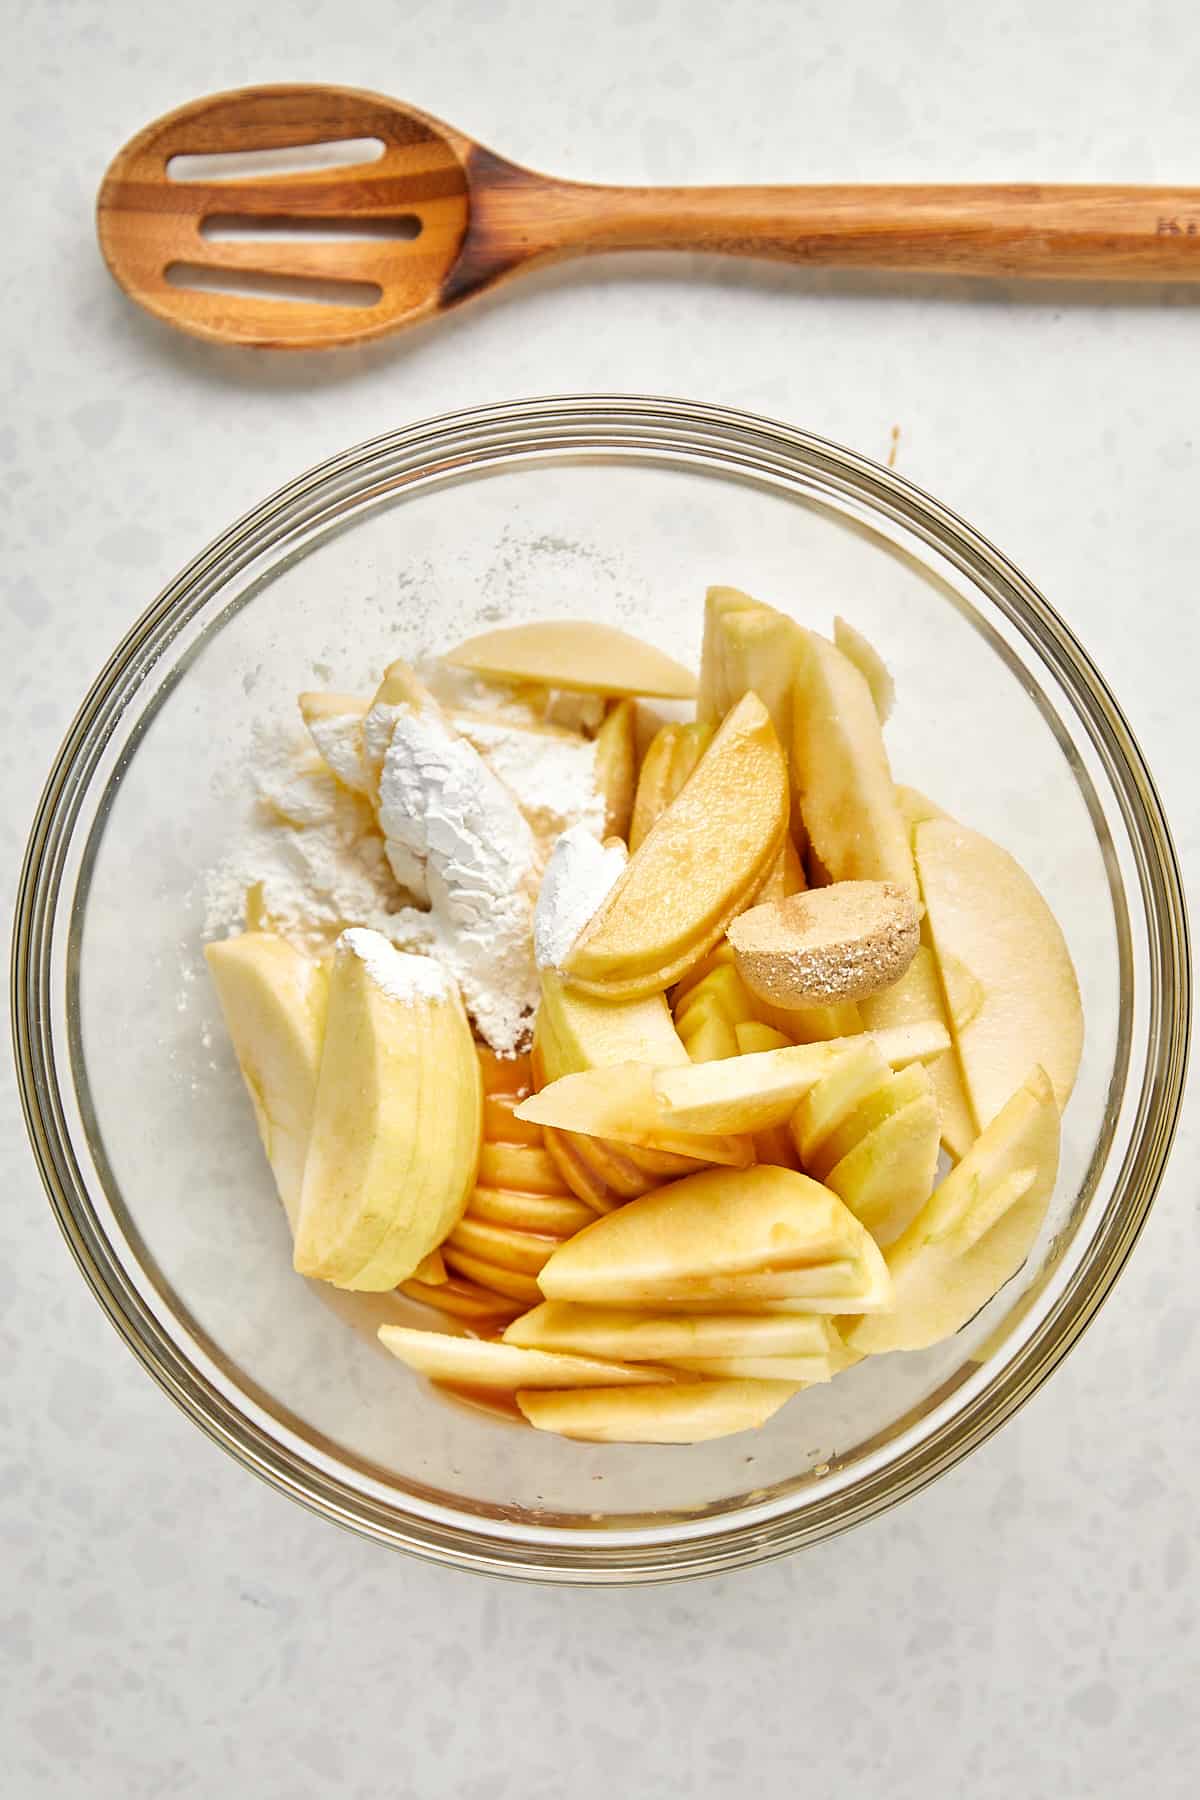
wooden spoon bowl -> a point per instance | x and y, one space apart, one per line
437 217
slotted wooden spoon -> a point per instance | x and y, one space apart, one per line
461 218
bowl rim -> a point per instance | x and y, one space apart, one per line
562 420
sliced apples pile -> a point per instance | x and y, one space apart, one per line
688 1202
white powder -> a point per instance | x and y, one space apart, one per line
339 741
445 815
579 877
400 977
458 844
553 776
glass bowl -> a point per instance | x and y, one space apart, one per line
621 509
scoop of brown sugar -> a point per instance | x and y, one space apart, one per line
840 942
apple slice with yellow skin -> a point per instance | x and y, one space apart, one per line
671 757
335 724
431 1270
841 771
631 1335
975 1231
888 1176
616 767
619 1103
723 987
525 1251
703 860
764 1231
556 1215
748 647
917 999
397 1118
761 1089
526 1167
985 912
719 603
511 1284
870 665
576 655
468 1362
684 1412
274 1002
576 1170
708 1036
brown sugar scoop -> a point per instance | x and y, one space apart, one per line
841 942
422 217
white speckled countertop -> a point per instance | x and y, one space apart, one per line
168 1626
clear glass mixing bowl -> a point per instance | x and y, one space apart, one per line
599 507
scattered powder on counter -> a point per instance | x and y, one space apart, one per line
580 875
399 976
552 776
443 811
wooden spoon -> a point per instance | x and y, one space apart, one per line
444 218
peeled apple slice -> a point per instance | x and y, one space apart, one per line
593 1033
701 862
472 1363
975 1231
762 1088
578 656
917 999
684 1412
274 1002
764 1230
619 1103
870 665
986 913
670 758
631 1335
841 771
616 767
396 1121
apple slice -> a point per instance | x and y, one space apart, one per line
576 655
335 725
619 1103
396 1118
841 772
764 1087
468 1362
975 1231
917 999
512 1284
786 878
888 1176
986 913
476 1306
526 1167
431 1270
556 1215
753 1036
670 758
616 767
700 864
400 688
501 1126
892 1095
508 1248
805 1371
592 1033
836 1097
274 1002
765 1232
870 665
916 806
748 648
685 1412
631 1335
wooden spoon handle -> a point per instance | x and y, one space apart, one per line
1092 233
